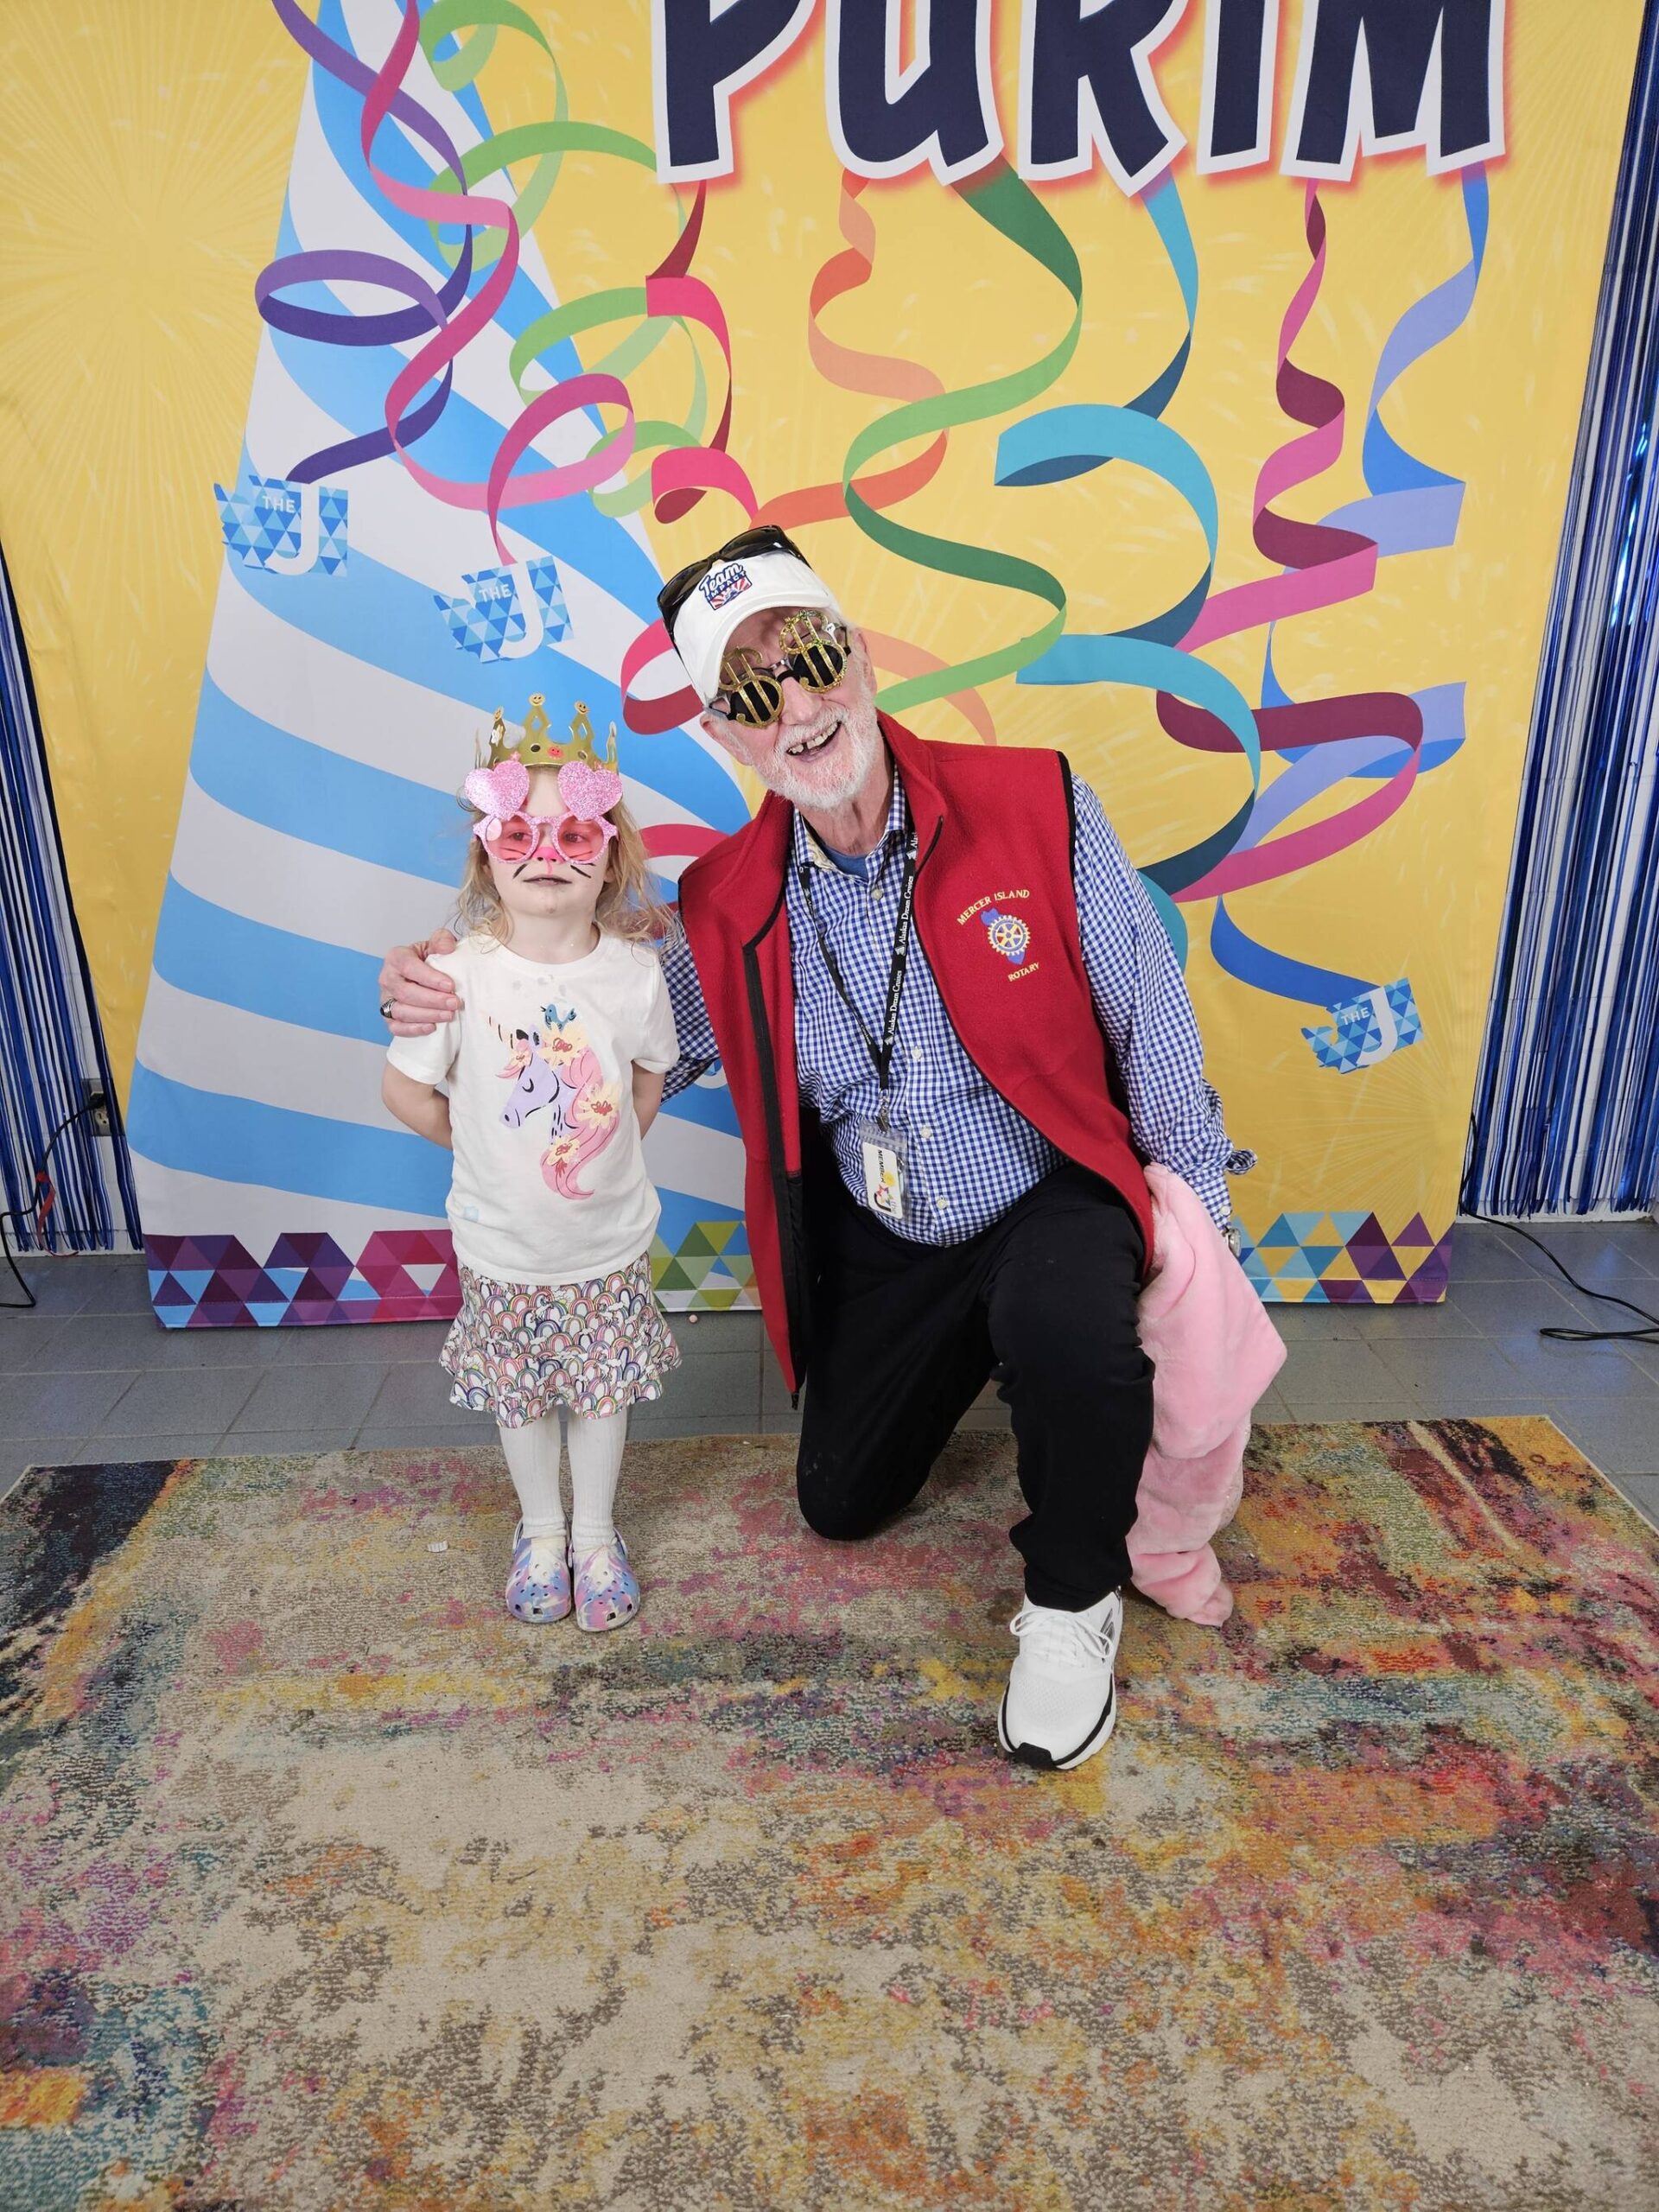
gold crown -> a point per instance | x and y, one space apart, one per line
534 746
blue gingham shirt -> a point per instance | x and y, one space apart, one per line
969 1154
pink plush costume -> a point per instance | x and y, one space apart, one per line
1216 1351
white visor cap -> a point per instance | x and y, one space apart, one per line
729 595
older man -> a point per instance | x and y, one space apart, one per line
953 1030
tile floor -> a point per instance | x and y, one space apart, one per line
89 1376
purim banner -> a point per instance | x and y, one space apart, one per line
1189 383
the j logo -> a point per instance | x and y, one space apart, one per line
1369 1029
511 611
287 528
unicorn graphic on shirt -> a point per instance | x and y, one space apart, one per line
560 1071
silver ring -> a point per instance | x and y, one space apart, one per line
385 1009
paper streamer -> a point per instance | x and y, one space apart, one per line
671 299
1323 566
929 411
1010 208
448 319
649 716
1002 200
1413 508
1065 442
446 19
501 489
432 305
452 318
887 376
547 143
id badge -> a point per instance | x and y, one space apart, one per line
883 1152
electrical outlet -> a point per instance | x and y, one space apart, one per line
97 1104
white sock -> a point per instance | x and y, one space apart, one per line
532 1456
595 1462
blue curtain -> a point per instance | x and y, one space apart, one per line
50 1040
1566 1104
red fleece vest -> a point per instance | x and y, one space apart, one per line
994 830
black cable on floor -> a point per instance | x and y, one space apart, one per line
1648 1334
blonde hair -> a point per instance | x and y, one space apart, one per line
628 906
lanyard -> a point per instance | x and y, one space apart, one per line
881 1054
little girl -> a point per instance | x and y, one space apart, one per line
554 1067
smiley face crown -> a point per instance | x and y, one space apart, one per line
534 744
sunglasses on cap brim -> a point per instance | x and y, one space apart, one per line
763 537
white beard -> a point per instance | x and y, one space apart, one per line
796 782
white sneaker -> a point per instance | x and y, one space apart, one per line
1060 1704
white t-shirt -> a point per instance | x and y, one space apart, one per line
549 1182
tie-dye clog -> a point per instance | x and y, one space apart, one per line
538 1581
607 1589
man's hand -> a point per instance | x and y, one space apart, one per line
415 998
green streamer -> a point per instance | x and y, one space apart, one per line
1009 206
650 436
547 143
446 18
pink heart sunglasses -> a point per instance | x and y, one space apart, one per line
580 833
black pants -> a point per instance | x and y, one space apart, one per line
906 1335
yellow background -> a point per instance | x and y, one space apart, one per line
143 156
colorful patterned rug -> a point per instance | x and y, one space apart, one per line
325 1884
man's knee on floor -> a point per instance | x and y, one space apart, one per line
836 1501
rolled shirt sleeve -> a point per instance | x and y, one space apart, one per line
1144 1006
698 1051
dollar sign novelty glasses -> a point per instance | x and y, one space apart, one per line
752 690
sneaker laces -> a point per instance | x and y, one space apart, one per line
1066 1641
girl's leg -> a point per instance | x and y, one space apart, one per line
595 1462
532 1456
538 1581
606 1589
